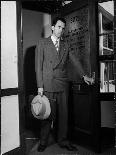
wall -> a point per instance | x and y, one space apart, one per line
35 25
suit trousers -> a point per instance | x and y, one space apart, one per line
58 117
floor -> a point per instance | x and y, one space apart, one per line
54 149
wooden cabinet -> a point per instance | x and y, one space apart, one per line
81 107
84 116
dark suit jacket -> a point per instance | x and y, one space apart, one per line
51 67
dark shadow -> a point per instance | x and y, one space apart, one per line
31 123
29 71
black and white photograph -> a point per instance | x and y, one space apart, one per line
58 77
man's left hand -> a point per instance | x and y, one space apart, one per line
88 80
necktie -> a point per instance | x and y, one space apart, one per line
56 45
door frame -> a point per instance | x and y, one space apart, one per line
20 89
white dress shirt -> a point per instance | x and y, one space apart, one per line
54 40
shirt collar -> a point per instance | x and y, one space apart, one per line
54 39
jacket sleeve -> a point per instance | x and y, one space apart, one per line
77 65
39 64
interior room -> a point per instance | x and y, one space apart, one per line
31 35
90 34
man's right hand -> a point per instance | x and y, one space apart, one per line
40 91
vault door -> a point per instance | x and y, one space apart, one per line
84 106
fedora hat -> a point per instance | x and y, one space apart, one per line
40 107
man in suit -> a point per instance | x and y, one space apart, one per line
51 60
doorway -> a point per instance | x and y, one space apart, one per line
35 25
88 105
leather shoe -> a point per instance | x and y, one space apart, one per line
41 148
69 147
74 147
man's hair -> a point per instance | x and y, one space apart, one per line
56 19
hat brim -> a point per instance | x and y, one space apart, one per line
46 109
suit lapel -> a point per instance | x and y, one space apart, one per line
57 58
61 51
53 52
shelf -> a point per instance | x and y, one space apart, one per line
107 96
106 58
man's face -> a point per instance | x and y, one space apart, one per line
58 29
